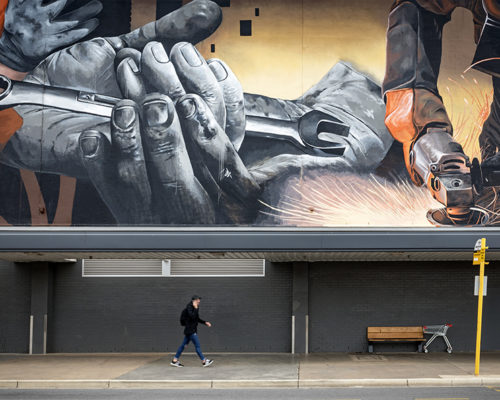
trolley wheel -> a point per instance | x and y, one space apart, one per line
449 351
425 350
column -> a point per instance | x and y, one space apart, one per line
300 305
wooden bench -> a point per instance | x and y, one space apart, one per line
395 334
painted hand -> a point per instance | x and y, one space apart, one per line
34 29
343 93
48 139
169 160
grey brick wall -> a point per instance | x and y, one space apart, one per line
142 314
251 314
345 298
15 298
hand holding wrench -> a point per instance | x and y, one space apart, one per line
315 130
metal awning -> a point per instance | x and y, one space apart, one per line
269 256
274 244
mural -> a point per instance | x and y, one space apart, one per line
157 113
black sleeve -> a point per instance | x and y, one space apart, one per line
191 312
413 47
201 321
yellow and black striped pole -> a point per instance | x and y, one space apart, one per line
479 259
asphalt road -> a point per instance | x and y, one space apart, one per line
478 393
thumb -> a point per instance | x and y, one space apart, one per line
192 23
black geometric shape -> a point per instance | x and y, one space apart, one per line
257 12
164 7
114 19
212 48
246 27
223 3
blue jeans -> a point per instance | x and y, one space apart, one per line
190 338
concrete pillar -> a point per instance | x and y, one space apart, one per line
300 305
41 302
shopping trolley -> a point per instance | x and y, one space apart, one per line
435 331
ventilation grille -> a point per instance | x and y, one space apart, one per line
124 268
217 268
173 268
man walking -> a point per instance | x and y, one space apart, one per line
190 319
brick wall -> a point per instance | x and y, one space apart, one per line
142 314
345 298
14 307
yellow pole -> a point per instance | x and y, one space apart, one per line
480 306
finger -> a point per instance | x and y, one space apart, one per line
192 23
74 18
70 37
178 196
128 53
213 149
197 77
130 81
129 162
159 72
233 99
97 158
53 9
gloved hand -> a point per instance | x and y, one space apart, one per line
33 30
343 93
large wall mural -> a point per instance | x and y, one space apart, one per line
246 113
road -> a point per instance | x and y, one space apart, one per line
477 393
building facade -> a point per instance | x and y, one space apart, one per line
253 154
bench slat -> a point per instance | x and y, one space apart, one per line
396 340
374 329
396 335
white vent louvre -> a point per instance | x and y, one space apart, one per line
217 268
124 268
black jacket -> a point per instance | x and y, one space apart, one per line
192 320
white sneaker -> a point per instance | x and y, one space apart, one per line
176 363
207 362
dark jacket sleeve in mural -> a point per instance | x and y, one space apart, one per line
446 7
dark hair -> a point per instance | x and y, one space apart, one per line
196 297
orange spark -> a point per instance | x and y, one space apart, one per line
352 200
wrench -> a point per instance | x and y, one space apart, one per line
315 131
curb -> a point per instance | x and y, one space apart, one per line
463 381
61 384
248 384
160 384
325 383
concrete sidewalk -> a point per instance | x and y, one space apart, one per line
249 370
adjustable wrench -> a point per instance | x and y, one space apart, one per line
314 131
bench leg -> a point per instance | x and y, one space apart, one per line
370 348
420 345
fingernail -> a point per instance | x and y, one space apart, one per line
187 107
156 113
159 53
191 55
133 66
218 70
89 145
124 117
